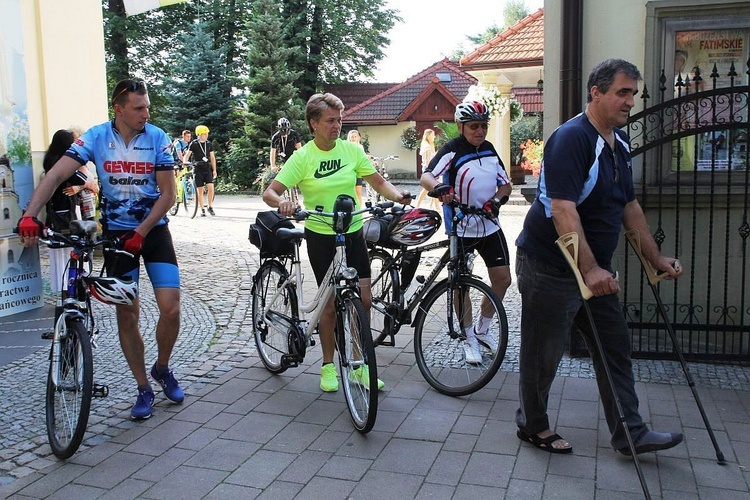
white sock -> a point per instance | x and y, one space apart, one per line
470 332
483 324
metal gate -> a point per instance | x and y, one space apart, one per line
694 183
692 174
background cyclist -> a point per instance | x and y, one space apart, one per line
205 167
469 170
180 145
325 168
135 198
283 144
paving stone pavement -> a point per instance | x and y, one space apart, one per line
243 433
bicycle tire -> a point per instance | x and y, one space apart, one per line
179 197
441 356
272 340
69 387
356 351
191 198
384 288
176 207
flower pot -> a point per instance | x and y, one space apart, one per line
517 175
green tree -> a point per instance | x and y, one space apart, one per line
198 93
335 40
271 93
514 11
490 33
143 46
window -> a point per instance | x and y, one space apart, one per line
697 39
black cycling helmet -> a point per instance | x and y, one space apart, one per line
284 125
472 111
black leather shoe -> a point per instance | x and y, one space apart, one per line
654 441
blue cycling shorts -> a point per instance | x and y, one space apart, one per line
158 255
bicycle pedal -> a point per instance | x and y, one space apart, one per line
389 343
48 335
100 391
289 361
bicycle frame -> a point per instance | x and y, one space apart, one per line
453 258
338 276
321 298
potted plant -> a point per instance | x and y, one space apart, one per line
533 151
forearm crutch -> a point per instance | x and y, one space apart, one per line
568 243
653 277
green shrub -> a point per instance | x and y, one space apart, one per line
528 127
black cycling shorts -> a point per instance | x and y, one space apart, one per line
493 248
203 175
158 257
321 249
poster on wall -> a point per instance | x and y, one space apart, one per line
698 52
20 276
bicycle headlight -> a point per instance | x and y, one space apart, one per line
348 273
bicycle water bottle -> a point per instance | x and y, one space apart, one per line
87 204
414 287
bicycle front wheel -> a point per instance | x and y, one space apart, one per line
69 386
451 356
176 207
271 335
191 198
384 286
357 364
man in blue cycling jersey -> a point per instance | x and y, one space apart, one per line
180 146
135 168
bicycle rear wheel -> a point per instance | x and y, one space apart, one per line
191 198
271 337
384 287
440 336
357 364
69 386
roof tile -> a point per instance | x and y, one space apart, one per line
524 41
387 106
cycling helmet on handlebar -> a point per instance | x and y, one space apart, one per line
414 226
112 291
472 111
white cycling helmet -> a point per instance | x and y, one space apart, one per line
473 111
414 227
112 291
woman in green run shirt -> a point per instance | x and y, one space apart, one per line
325 168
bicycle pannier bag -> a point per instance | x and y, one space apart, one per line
262 234
376 231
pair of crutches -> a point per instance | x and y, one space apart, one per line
568 243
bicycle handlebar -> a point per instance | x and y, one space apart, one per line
301 215
54 239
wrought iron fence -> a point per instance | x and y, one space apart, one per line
694 183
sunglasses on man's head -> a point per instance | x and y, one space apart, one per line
474 126
131 87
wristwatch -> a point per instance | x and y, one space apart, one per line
496 201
